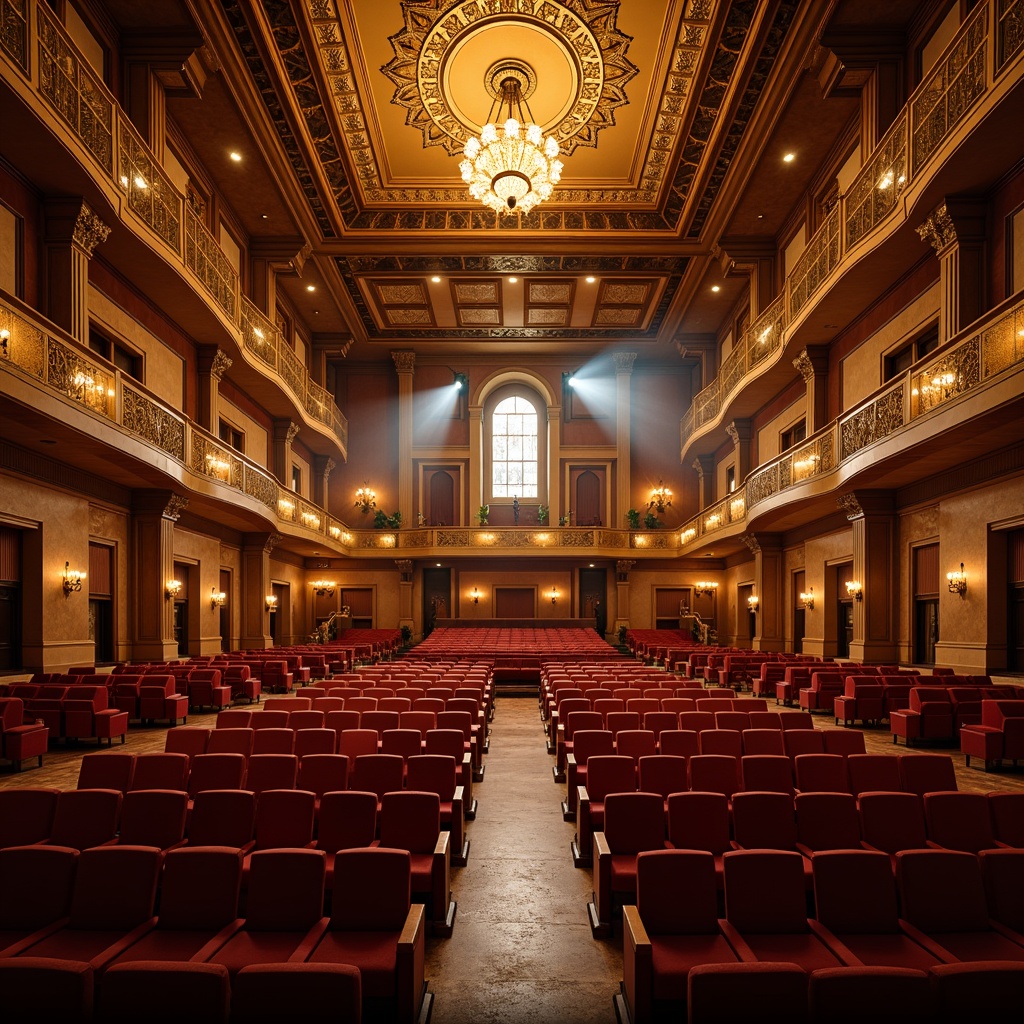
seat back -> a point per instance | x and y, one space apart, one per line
315 741
184 739
636 743
284 818
231 741
1007 813
827 821
273 741
130 872
770 773
153 817
85 818
422 721
354 743
927 773
26 815
378 773
410 821
286 890
160 771
199 888
634 822
959 821
1002 871
820 773
803 741
322 773
445 741
844 742
373 892
222 817
36 883
271 718
892 821
680 742
107 770
610 773
348 820
873 772
339 721
404 742
755 908
699 821
714 773
764 821
675 892
216 771
432 773
941 891
271 771
721 741
662 774
855 892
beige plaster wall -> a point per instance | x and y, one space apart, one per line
820 621
768 437
257 439
916 527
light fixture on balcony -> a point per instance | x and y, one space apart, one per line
661 499
5 337
366 500
855 590
324 588
704 588
511 168
218 598
554 595
271 600
807 597
72 581
475 594
752 602
957 581
173 588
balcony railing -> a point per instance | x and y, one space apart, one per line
906 154
953 373
90 113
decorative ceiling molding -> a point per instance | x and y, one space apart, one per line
435 29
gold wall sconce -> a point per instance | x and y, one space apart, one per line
271 602
72 580
218 598
807 597
554 595
324 588
752 602
855 590
173 589
661 499
704 588
957 581
366 499
475 594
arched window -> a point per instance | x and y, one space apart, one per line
514 448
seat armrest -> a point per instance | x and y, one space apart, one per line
309 942
846 956
937 951
220 939
570 760
637 966
739 946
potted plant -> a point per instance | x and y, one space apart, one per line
542 515
651 521
633 519
406 631
482 513
622 636
383 521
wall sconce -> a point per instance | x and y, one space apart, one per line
218 598
752 602
173 588
271 600
807 597
5 337
475 594
72 581
661 499
957 581
554 595
366 500
324 588
704 588
855 590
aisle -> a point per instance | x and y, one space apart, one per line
522 952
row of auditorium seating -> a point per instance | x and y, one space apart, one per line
70 951
937 714
21 738
998 737
948 947
70 713
813 823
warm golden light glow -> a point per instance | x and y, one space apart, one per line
855 590
807 597
72 581
173 588
957 581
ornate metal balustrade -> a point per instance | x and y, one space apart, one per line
907 152
205 258
14 31
150 192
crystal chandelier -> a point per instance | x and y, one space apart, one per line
510 168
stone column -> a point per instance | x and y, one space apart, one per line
154 514
812 362
285 431
705 468
476 468
622 567
956 231
624 484
405 615
256 586
405 366
875 567
213 364
72 233
322 467
769 585
739 431
556 507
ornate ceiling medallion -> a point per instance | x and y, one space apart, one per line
434 59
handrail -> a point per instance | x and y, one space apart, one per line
960 79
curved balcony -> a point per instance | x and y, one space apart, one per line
61 83
988 355
976 71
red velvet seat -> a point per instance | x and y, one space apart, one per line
1002 871
348 820
284 821
980 990
771 773
770 992
663 774
21 740
26 815
614 773
222 817
715 773
355 743
1007 813
672 928
636 743
843 743
891 822
765 821
197 992
873 772
378 773
186 740
234 718
850 995
826 821
375 927
436 773
215 771
700 821
160 771
69 988
271 992
820 773
106 771
586 743
958 821
84 818
322 773
927 773
763 742
411 821
680 742
205 690
36 885
273 741
153 817
452 743
803 741
230 741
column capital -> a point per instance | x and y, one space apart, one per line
405 362
622 567
937 229
957 219
812 361
73 220
405 569
739 431
285 430
166 504
859 504
624 361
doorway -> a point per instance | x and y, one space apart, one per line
926 632
844 630
593 587
181 627
1015 631
10 628
437 597
101 630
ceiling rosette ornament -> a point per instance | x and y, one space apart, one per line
432 69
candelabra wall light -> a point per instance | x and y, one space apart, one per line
271 600
752 602
704 588
807 597
173 589
72 581
554 595
475 594
855 590
324 588
661 499
366 500
218 598
957 581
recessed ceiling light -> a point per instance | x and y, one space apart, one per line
760 216
436 279
789 158
716 288
310 287
513 280
591 566
591 280
236 156
438 564
264 216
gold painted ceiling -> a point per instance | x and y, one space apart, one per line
662 108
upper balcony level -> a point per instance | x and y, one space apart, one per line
121 176
860 245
